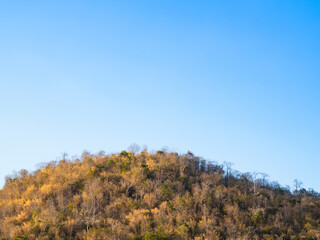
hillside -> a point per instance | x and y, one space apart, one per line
152 196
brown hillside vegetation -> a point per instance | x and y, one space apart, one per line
152 196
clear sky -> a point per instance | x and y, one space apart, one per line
233 81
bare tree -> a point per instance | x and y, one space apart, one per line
255 182
297 185
264 178
92 203
227 166
134 148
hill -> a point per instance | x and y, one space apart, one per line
152 196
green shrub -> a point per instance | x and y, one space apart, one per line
154 236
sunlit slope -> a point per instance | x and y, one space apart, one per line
152 196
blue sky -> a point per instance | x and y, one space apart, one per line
230 81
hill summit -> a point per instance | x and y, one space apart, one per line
161 195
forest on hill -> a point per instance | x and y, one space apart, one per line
161 195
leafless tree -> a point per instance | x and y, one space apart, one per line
255 182
227 167
297 185
134 148
92 203
264 178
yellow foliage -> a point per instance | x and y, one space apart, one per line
47 189
151 163
149 196
27 203
21 217
30 190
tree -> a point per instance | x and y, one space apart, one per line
297 185
153 196
227 167
92 203
134 148
264 178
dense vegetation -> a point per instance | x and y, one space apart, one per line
152 196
